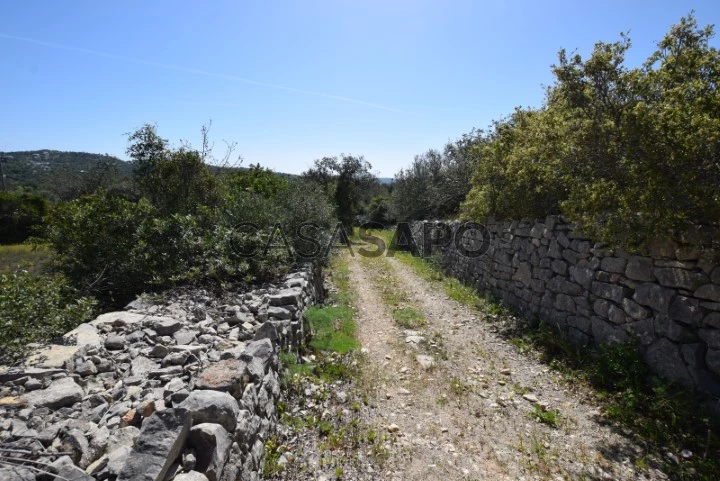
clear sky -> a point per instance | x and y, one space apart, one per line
291 81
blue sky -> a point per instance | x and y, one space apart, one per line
293 81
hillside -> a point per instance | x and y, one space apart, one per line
52 172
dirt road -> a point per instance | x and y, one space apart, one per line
462 402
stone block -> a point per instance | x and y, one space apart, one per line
161 440
686 310
654 296
613 264
61 393
710 292
609 291
212 407
640 269
664 358
680 278
212 446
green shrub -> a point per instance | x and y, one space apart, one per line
189 226
628 152
113 248
20 213
257 180
303 203
95 240
36 309
436 183
378 210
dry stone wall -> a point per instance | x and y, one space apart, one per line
184 388
667 297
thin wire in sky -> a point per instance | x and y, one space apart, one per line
206 73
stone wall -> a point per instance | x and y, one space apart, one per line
667 296
182 388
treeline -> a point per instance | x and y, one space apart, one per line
436 183
347 181
179 220
628 152
57 175
183 223
35 180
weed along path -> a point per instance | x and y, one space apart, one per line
457 400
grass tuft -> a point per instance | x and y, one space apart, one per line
409 318
334 328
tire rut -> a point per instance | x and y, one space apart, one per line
471 415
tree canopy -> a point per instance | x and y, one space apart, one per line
628 152
347 181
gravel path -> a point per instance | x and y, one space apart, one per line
471 414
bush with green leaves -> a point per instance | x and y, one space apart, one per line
348 181
436 183
37 308
379 210
628 152
94 240
193 227
20 214
113 248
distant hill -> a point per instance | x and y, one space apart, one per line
52 172
56 174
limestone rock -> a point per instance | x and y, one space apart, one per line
286 297
425 361
279 313
18 473
685 309
61 393
680 278
225 376
67 470
710 292
85 335
114 342
653 296
191 476
634 310
166 326
640 269
159 444
212 445
663 356
13 373
613 264
120 318
141 366
609 291
212 407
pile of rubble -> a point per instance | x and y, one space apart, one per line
184 388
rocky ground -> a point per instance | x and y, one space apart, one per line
451 398
438 393
184 386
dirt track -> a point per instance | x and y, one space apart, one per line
471 415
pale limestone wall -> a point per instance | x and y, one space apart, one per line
187 382
667 297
